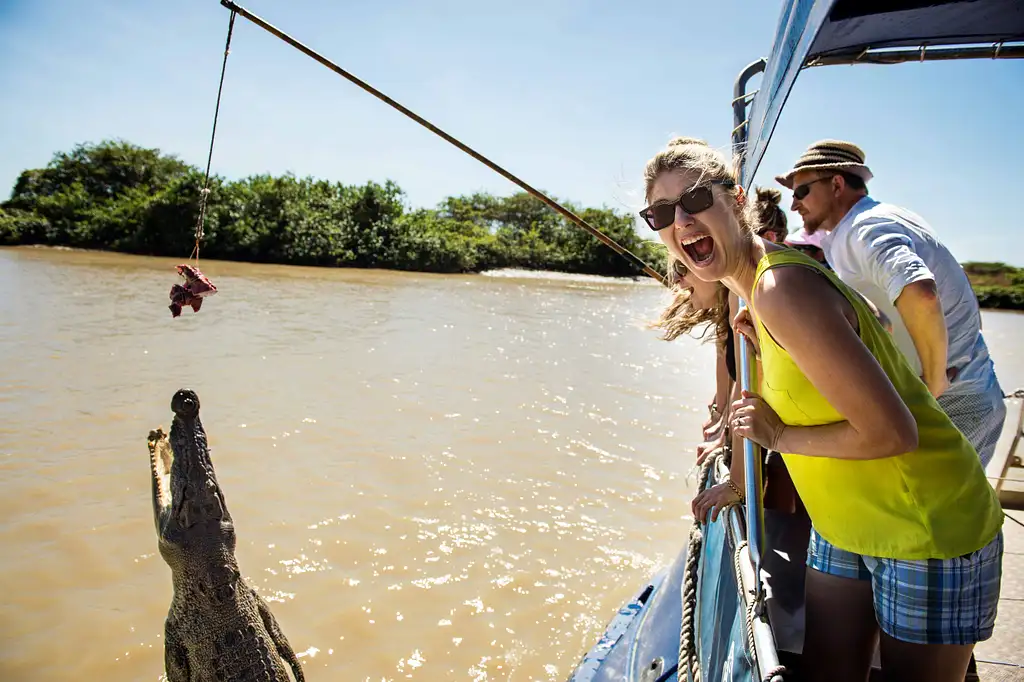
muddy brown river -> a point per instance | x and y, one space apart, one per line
431 477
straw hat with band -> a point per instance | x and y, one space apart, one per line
829 155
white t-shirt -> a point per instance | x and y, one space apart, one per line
880 248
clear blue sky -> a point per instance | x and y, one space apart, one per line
570 95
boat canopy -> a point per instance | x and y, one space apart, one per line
827 32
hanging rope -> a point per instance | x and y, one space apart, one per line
205 192
688 661
751 615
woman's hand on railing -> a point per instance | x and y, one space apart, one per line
705 449
752 418
743 324
714 500
713 429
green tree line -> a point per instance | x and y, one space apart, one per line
997 285
122 197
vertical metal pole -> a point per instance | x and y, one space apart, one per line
751 451
753 474
763 636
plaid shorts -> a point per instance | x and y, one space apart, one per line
930 601
979 416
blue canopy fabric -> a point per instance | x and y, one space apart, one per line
837 29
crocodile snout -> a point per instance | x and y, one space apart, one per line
185 404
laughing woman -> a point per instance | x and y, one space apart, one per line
906 546
697 303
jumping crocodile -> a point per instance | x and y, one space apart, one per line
218 628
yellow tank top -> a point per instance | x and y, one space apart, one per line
934 502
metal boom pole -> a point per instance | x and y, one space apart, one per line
567 214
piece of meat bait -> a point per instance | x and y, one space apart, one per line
192 292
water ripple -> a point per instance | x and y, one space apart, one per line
454 477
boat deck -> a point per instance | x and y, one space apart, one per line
1007 643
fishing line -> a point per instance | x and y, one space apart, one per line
205 192
196 286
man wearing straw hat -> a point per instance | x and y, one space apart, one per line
892 257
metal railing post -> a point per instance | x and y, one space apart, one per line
751 451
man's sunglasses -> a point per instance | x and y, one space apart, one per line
801 191
693 201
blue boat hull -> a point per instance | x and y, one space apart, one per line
641 643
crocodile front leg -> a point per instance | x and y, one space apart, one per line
175 656
280 641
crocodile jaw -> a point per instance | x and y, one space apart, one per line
160 457
191 516
196 499
185 489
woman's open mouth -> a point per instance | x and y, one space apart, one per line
700 248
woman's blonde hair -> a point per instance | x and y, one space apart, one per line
682 317
688 154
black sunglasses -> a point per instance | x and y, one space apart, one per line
801 191
693 201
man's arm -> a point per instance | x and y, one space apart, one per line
891 262
919 307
